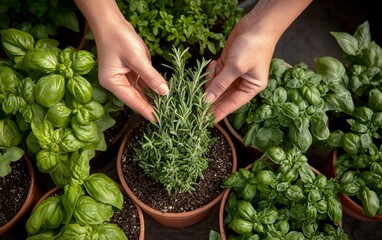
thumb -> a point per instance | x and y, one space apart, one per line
152 78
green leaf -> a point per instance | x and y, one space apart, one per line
47 215
16 42
370 202
104 189
241 226
214 235
89 211
72 193
40 59
10 135
11 154
65 17
109 231
347 42
363 35
75 231
53 84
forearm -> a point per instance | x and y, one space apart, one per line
274 16
101 15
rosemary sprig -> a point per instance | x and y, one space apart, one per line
174 150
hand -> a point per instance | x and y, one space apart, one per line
125 69
241 72
124 64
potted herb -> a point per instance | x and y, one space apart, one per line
61 115
173 168
355 160
290 111
200 26
280 196
83 210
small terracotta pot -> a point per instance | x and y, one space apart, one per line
34 194
224 200
140 213
349 207
173 220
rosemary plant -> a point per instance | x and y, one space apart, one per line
174 149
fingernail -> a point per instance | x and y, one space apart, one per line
163 89
210 97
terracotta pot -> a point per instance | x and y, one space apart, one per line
224 200
179 219
349 207
34 193
140 213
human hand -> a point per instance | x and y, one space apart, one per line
241 72
124 63
125 69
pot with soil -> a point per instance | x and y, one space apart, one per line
18 194
173 168
50 215
280 196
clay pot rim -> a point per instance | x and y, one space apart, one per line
140 212
154 211
28 200
356 210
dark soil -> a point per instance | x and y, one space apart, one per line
13 191
128 219
155 195
115 132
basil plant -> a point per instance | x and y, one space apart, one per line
280 197
56 102
358 140
291 110
82 211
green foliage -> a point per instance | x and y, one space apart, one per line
80 212
282 198
202 26
50 111
290 111
40 18
174 150
358 140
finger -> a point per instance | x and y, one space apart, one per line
210 73
152 78
230 101
220 83
133 96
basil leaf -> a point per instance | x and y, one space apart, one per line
89 211
47 215
16 42
110 231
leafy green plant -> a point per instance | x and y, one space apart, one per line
48 93
280 197
40 18
82 211
201 26
173 151
291 110
358 144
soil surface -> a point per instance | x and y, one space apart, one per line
155 195
13 191
128 219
